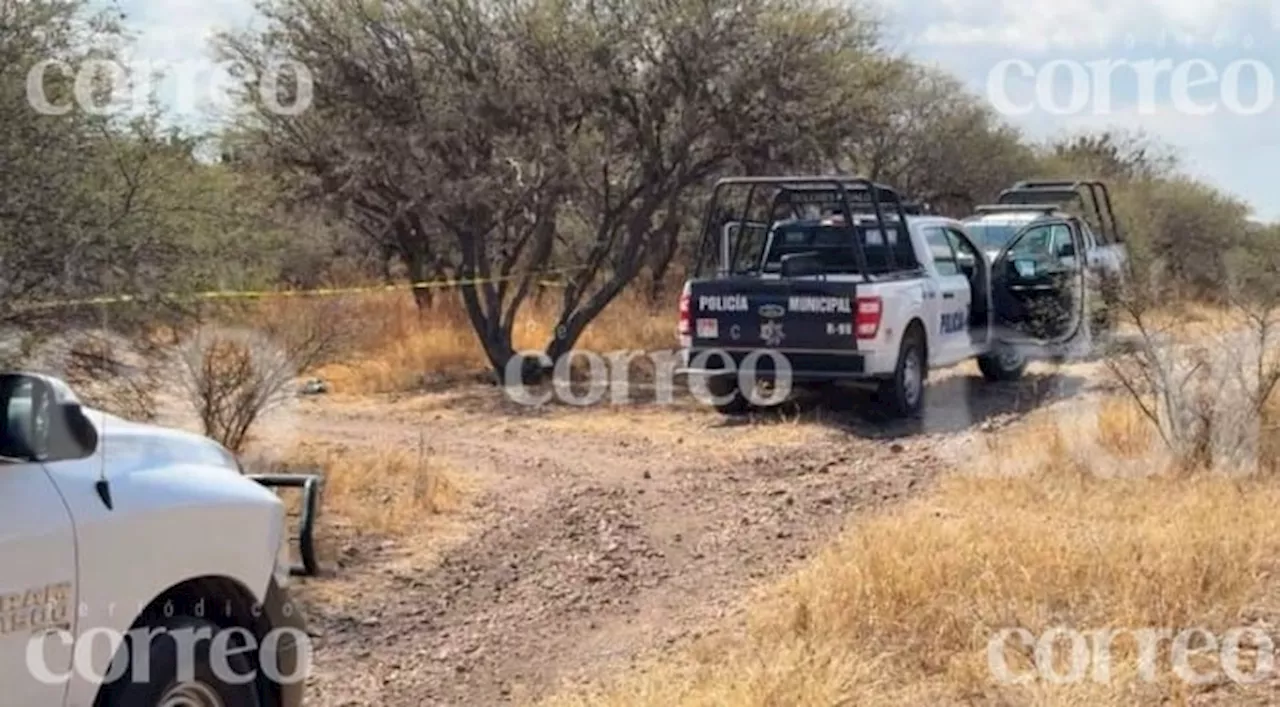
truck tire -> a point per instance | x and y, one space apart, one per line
1001 366
903 394
204 685
1104 314
1102 325
726 388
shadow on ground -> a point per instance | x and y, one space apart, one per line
952 404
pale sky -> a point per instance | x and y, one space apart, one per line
1238 152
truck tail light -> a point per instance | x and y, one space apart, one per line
866 320
686 320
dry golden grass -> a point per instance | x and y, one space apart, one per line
402 344
899 611
1191 322
383 491
373 496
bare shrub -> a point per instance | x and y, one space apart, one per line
233 375
1206 385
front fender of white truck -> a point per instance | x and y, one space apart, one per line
166 525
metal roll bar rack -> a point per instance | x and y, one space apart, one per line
852 195
1040 193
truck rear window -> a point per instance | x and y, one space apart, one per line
886 248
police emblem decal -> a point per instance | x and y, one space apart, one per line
771 333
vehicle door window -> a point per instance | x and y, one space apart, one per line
1090 240
1031 254
940 249
1036 243
1060 239
966 253
1041 242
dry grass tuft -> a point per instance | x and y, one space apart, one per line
377 500
385 491
900 610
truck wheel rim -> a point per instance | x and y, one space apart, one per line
911 378
191 694
1009 359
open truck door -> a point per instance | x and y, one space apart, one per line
1038 288
1100 259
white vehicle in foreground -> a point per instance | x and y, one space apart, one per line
141 568
837 278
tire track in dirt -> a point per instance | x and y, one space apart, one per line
588 552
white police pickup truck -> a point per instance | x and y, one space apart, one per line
140 567
835 280
1034 202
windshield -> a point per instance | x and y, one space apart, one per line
992 236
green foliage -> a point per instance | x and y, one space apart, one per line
1186 226
94 205
936 142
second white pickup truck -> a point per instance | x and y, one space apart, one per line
835 280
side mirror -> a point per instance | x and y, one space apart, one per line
1067 250
41 420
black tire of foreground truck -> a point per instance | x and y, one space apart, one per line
1002 366
730 400
204 681
903 394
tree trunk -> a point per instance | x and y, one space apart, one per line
496 341
423 297
569 329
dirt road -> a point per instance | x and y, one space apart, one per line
598 536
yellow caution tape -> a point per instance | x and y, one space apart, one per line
267 294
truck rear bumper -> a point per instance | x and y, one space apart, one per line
767 365
795 376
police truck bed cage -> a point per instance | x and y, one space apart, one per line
1039 193
1015 208
861 205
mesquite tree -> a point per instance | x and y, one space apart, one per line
498 140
